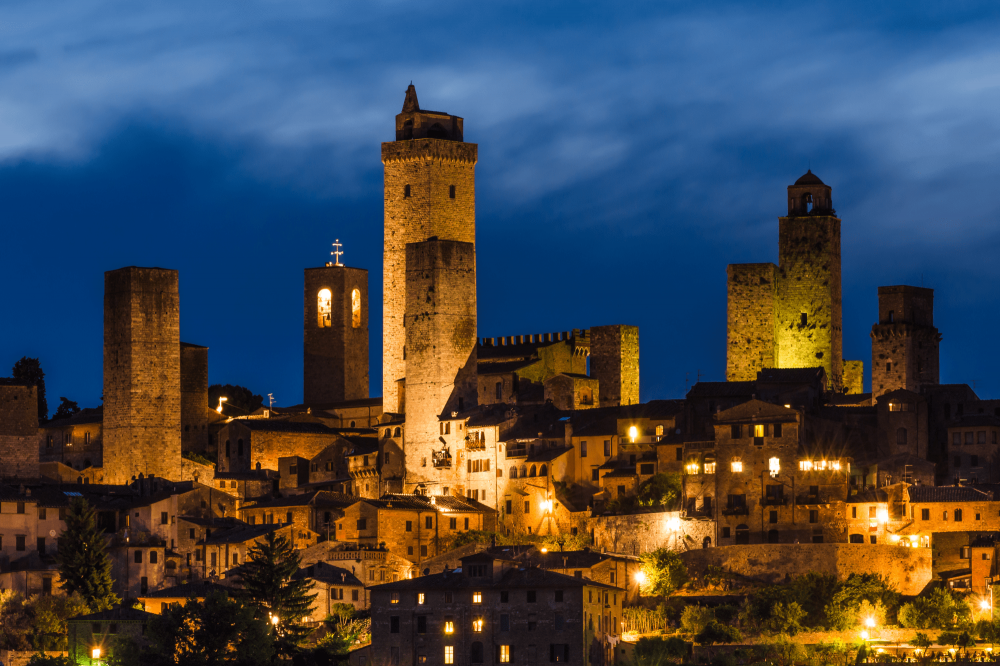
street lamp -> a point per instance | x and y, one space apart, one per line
95 654
221 399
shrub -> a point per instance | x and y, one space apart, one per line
787 617
937 609
717 633
665 572
843 610
695 618
653 651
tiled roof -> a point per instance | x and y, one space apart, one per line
722 389
240 534
285 426
869 496
424 503
317 498
198 589
513 578
567 559
947 494
330 574
84 416
365 446
790 375
756 410
116 614
974 420
503 367
546 455
621 473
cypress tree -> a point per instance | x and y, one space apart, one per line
83 561
268 584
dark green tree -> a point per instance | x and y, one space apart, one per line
236 396
66 409
83 560
717 633
218 631
268 585
664 572
842 611
29 371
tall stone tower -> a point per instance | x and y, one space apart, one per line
142 375
195 413
614 361
905 343
430 192
335 334
789 316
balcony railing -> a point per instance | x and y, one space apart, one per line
514 451
441 459
736 510
808 500
774 501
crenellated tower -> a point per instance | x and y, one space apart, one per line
905 341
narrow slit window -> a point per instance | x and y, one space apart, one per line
451 191
406 191
355 308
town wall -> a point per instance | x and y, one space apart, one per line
750 314
907 569
335 355
614 361
19 431
142 385
636 534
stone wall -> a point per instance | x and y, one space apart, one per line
195 413
854 376
809 321
908 569
418 204
636 534
142 384
19 431
614 361
905 342
750 310
335 355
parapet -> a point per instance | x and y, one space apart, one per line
579 337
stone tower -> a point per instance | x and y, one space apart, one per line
614 361
142 375
440 355
750 308
429 193
335 335
195 413
19 442
809 323
905 342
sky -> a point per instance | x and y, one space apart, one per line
627 153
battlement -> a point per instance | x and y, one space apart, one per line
438 150
576 335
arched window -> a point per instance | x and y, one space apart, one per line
388 432
524 471
355 308
258 465
399 431
437 131
742 534
531 472
706 543
543 471
324 309
239 447
408 129
900 436
227 449
513 472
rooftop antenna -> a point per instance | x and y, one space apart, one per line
270 400
337 252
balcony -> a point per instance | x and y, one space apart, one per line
441 459
774 501
517 451
808 500
736 510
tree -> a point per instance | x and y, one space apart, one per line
29 371
843 611
83 560
236 396
218 631
268 584
15 622
66 409
937 609
660 651
664 572
787 617
694 618
49 614
717 633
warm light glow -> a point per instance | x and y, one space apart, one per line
477 597
737 466
221 399
774 465
674 524
640 577
710 467
985 605
420 598
835 465
449 627
788 405
805 465
477 625
546 505
692 468
870 622
864 634
633 433
758 430
820 465
882 515
894 538
96 654
274 619
324 308
545 550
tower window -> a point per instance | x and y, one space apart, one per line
451 191
355 308
406 191
324 309
803 319
888 366
892 316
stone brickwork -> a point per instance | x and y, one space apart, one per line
195 413
750 310
440 348
142 384
429 193
335 334
636 534
806 301
905 343
19 432
854 377
614 361
907 569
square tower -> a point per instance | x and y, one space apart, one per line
429 193
750 310
905 343
808 323
614 361
440 355
335 335
142 375
19 440
195 413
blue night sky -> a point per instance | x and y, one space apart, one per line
625 157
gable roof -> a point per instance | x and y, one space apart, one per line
758 411
947 494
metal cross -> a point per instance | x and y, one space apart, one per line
337 252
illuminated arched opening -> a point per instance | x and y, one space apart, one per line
324 308
355 308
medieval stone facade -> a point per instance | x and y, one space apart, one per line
335 334
905 341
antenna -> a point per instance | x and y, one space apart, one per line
337 252
270 400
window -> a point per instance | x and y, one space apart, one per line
409 526
595 475
453 523
559 594
813 516
583 449
607 448
152 557
774 466
288 517
423 550
958 461
449 625
803 320
355 308
758 430
504 596
504 653
499 391
735 431
406 191
394 624
974 461
773 516
477 597
138 555
966 552
888 367
507 507
451 191
20 508
725 532
900 436
428 522
776 430
969 437
956 438
449 651
324 308
925 514
362 524
527 507
532 596
421 625
736 466
958 515
477 625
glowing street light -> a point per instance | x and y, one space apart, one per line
870 622
221 399
864 635
274 619
633 433
674 524
640 578
96 653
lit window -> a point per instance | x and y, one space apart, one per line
882 515
758 430
420 598
774 465
737 465
835 465
394 599
449 655
504 653
820 465
355 308
477 625
323 305
805 465
449 627
692 468
709 467
477 598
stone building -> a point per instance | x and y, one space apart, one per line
18 431
904 342
74 441
331 585
142 375
789 316
196 415
494 612
973 451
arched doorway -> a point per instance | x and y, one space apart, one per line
742 534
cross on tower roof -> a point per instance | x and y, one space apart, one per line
337 252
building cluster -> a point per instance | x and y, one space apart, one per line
539 434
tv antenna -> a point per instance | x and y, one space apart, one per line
270 400
337 252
